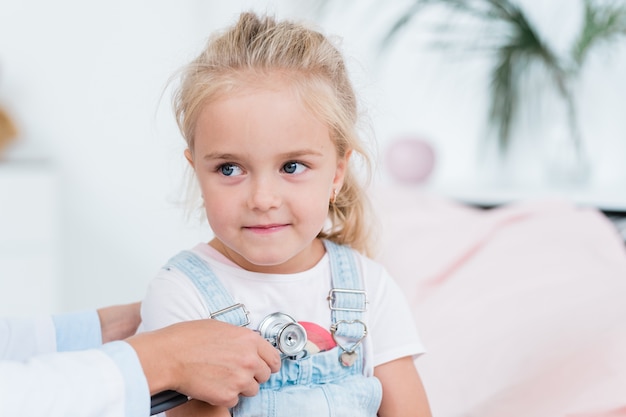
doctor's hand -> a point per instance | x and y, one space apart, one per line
120 321
207 360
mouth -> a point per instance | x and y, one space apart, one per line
266 228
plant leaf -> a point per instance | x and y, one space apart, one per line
602 22
401 22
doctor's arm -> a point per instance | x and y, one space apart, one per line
118 378
23 338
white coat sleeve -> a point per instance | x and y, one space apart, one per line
22 338
106 382
35 380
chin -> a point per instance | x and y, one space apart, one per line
272 264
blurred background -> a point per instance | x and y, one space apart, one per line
91 161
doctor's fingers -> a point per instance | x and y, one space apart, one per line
259 367
270 357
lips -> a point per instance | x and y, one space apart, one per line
266 228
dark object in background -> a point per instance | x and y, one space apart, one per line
8 131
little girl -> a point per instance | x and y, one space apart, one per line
269 116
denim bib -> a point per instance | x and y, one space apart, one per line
317 385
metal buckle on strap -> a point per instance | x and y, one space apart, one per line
231 308
331 300
334 329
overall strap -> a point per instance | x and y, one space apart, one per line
347 298
218 301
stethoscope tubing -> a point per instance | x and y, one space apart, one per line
166 400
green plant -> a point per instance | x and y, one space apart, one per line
520 47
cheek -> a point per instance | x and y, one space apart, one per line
218 211
210 194
215 204
314 204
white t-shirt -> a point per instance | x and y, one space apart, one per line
391 331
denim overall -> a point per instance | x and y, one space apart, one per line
317 385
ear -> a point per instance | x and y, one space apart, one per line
189 157
340 172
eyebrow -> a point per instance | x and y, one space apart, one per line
287 155
216 155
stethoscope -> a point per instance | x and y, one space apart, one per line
166 400
281 330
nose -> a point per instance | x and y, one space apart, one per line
264 194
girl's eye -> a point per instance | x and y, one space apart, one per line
229 170
293 167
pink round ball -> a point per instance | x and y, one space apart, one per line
410 160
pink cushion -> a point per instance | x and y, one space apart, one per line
522 308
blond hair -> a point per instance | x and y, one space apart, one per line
246 53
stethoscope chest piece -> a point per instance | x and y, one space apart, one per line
284 333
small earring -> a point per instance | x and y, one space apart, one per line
334 196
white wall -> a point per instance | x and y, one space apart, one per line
84 82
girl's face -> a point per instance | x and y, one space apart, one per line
267 169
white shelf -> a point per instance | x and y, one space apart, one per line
607 199
28 239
